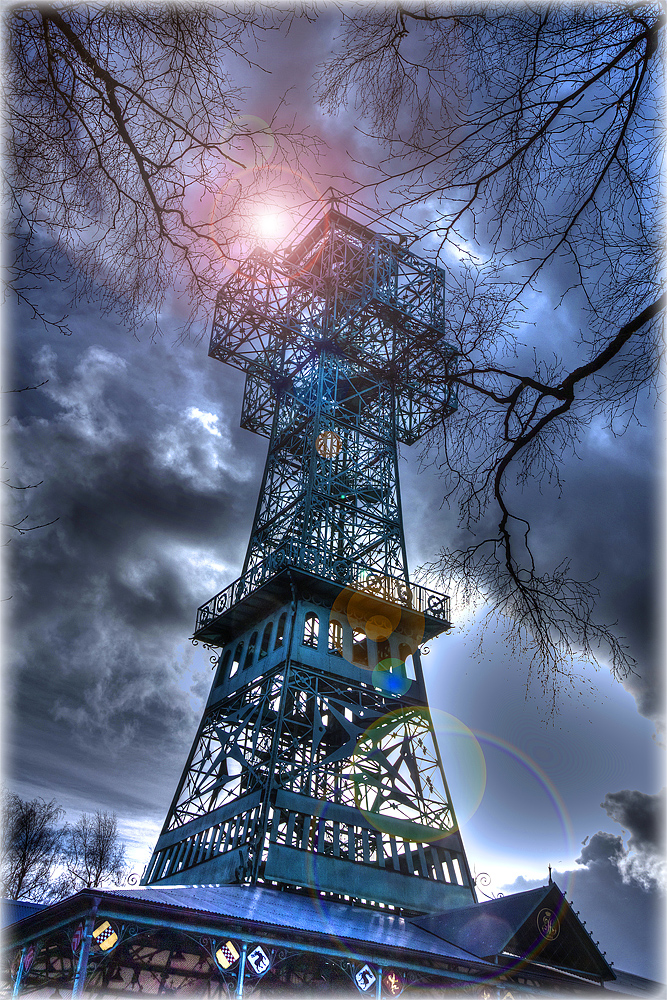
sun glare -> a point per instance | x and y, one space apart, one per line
270 225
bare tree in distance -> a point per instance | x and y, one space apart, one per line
130 166
528 138
32 840
93 854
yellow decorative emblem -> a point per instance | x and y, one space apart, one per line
227 955
105 936
547 924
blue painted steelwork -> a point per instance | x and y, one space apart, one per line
341 337
412 596
315 768
315 764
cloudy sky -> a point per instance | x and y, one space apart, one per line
151 485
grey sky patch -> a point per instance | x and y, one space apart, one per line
641 815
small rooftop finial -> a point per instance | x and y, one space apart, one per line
550 879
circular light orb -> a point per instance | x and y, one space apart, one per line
328 444
390 676
379 628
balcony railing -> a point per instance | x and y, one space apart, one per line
347 574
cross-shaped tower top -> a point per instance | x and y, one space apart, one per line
341 337
344 289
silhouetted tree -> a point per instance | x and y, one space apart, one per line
130 168
93 854
528 139
531 131
31 844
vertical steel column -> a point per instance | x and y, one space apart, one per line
266 805
394 458
19 972
241 976
82 964
260 498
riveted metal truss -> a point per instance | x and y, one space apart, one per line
341 337
331 477
349 745
345 744
265 756
358 293
231 753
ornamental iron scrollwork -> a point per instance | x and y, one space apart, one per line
484 879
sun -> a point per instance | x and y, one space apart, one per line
270 224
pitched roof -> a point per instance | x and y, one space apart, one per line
303 913
12 910
485 928
267 909
537 925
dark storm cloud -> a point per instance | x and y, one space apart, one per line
606 521
153 499
602 849
641 815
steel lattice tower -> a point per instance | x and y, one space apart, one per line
315 766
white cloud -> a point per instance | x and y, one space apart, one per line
88 408
199 457
646 869
207 420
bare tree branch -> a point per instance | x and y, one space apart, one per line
132 172
527 137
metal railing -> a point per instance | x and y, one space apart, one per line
342 571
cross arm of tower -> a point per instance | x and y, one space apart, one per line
354 294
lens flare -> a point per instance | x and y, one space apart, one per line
540 777
249 140
461 747
387 758
230 229
271 224
391 677
328 444
464 763
546 784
